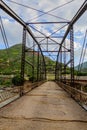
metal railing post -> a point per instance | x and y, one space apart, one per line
72 55
23 59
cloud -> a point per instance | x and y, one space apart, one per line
14 30
78 55
45 5
77 45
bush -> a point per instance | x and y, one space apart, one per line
7 83
1 81
17 80
85 88
81 74
32 79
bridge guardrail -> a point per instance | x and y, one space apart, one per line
33 85
79 96
10 93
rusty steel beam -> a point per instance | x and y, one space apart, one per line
29 63
79 13
56 51
48 22
67 63
49 36
10 12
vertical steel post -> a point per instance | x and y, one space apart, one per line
47 44
33 64
58 70
72 55
23 58
23 53
38 65
45 71
40 68
64 63
59 67
61 64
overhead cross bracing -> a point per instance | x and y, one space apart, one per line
51 43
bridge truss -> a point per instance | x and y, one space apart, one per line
41 45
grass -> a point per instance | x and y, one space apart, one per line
50 76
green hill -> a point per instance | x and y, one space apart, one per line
83 67
10 61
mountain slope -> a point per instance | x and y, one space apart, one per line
83 67
10 60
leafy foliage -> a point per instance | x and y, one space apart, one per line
17 80
10 60
82 74
11 65
83 67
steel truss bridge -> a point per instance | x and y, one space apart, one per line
40 44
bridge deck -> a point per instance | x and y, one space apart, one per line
47 107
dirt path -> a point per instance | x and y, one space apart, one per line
47 107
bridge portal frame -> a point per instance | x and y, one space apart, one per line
79 13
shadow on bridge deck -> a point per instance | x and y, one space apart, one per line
47 107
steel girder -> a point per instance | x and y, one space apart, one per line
79 13
10 12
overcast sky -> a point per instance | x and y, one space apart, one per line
14 29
